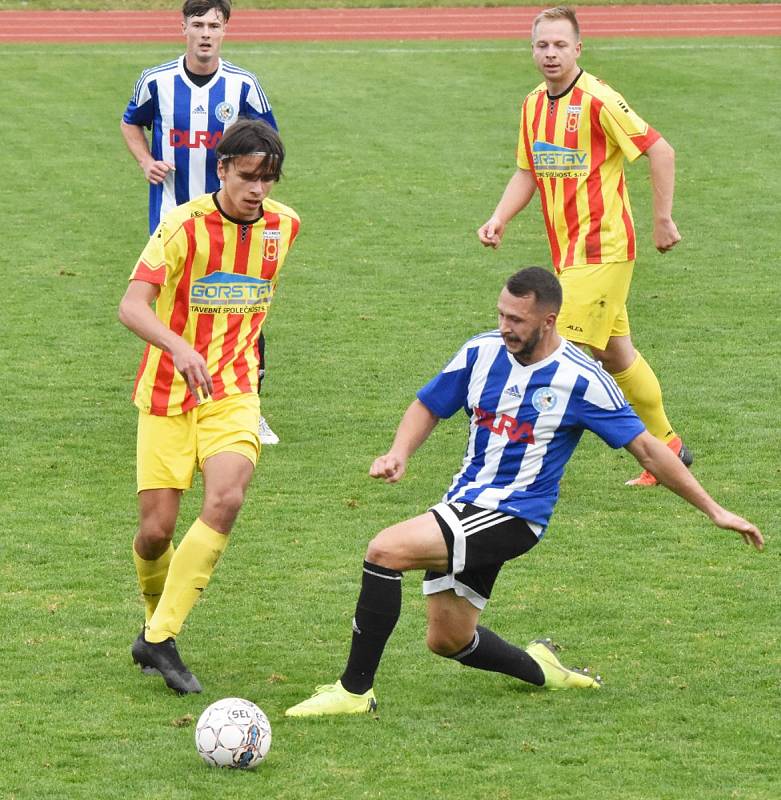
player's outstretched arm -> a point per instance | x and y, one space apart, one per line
662 463
135 139
135 313
517 195
661 161
415 427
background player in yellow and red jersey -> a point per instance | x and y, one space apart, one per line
198 296
575 134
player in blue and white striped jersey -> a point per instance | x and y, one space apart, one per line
529 396
525 421
188 103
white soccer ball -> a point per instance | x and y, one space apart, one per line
233 733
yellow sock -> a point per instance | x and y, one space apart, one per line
189 573
641 388
151 578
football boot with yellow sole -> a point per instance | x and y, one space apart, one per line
333 698
557 676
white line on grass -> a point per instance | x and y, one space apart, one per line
401 49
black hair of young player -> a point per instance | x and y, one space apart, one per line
542 283
249 136
197 8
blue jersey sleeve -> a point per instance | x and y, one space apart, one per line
598 404
266 116
615 426
253 102
448 391
142 115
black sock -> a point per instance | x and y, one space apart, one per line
261 359
376 615
490 652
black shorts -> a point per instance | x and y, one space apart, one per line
479 541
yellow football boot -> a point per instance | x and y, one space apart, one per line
333 698
557 676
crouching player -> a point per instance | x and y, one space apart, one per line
530 395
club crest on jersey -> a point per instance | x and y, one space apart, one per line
225 112
544 399
573 118
230 293
271 245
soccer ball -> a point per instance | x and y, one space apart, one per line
233 733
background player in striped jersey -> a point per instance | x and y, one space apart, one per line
188 103
529 395
210 271
575 133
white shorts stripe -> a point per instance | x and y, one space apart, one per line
483 513
480 521
477 528
459 537
450 581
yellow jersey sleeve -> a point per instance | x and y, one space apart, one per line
632 134
161 258
521 155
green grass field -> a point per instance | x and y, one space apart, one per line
397 153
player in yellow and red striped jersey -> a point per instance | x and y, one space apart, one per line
575 135
576 148
217 279
198 296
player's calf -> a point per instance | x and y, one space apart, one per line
490 652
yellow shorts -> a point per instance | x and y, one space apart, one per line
169 449
594 307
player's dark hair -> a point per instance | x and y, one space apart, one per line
542 283
197 8
559 12
250 137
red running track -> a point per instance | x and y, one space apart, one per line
392 23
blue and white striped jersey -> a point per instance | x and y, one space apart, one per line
525 421
187 122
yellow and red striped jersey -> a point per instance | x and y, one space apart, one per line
217 278
575 146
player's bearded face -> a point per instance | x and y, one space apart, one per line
521 325
523 348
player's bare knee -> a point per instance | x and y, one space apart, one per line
153 538
446 642
224 503
438 644
383 552
609 365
